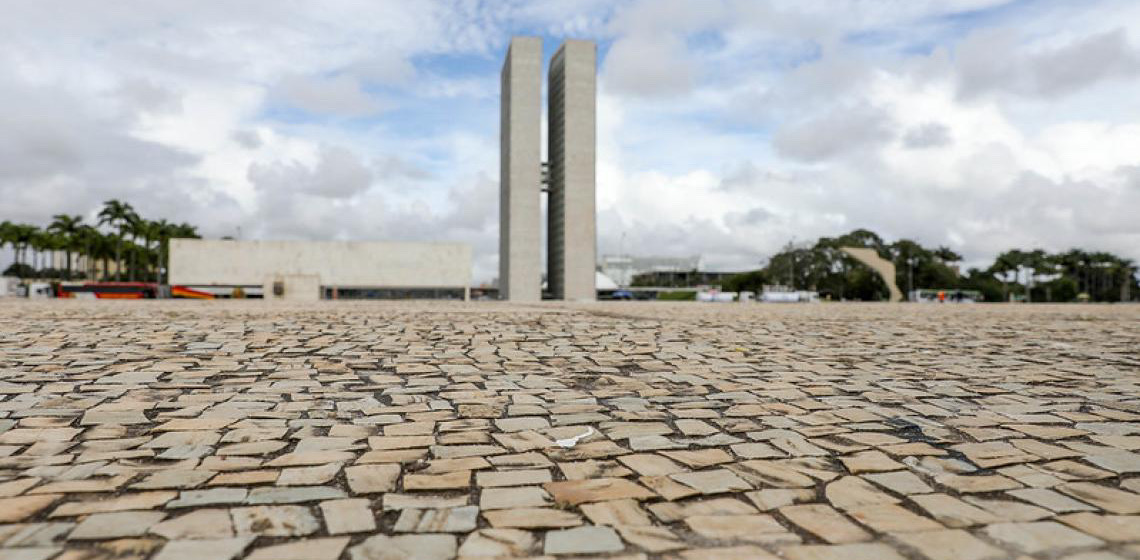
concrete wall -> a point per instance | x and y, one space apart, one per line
520 272
297 287
571 231
199 262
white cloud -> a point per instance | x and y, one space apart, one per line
844 130
927 135
649 65
339 95
337 174
992 61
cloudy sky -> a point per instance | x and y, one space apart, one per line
726 128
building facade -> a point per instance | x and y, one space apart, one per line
623 268
308 270
571 247
520 172
571 229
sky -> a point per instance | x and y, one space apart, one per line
726 128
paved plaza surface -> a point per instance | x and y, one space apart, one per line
368 431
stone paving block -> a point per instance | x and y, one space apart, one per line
574 492
514 497
824 522
1043 536
368 479
311 549
451 520
757 528
532 518
204 524
951 544
274 521
348 516
1113 528
496 543
582 540
410 547
219 549
857 551
19 508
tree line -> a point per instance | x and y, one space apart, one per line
1034 275
139 247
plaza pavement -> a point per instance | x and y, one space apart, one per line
196 430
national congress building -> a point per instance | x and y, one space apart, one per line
569 177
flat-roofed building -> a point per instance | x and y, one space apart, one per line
571 230
520 175
311 270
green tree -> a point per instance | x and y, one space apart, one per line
68 228
118 215
8 237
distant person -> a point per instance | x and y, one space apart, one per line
941 296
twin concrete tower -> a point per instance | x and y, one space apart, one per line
569 178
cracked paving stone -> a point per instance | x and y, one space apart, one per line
824 522
514 497
274 521
574 492
950 544
219 549
1109 499
368 479
498 543
198 524
531 518
213 496
22 507
452 520
756 528
856 551
103 526
311 549
1043 536
455 480
616 513
717 481
405 547
352 515
1114 528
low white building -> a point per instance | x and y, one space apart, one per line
310 270
9 286
622 268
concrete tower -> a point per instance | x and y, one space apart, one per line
571 231
520 269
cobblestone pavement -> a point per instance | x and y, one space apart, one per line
197 430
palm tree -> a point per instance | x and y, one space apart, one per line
117 214
136 227
106 246
947 255
25 235
162 233
68 228
8 236
40 243
1005 264
186 231
86 242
